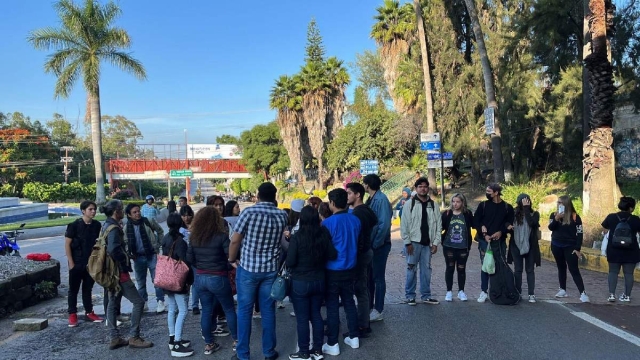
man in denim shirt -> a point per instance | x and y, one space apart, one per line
380 242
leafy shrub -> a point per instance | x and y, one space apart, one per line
300 195
45 290
40 192
320 193
6 190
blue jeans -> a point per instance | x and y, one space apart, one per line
140 266
336 291
377 282
250 284
177 304
195 299
214 289
421 258
306 297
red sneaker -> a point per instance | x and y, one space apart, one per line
73 320
94 318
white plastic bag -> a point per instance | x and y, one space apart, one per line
603 247
489 263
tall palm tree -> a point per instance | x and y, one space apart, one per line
600 188
338 80
86 39
392 32
490 91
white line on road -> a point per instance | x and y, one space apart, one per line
608 328
40 241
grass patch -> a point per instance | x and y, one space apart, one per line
46 223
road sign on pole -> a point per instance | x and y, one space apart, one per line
180 174
369 167
489 120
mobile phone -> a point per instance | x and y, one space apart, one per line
560 209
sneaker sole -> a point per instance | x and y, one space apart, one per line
221 334
70 325
561 297
181 354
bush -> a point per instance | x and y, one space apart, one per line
320 193
122 194
40 192
6 190
300 195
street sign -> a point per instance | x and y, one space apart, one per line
368 167
425 137
66 159
435 164
445 156
180 173
430 146
489 120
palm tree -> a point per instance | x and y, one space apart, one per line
490 91
600 188
392 32
87 38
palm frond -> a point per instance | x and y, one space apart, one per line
115 38
61 59
67 78
50 38
91 73
125 62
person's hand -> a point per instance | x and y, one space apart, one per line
497 235
559 216
71 265
434 249
578 254
287 233
510 227
409 249
526 202
487 238
234 264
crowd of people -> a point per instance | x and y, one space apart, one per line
335 254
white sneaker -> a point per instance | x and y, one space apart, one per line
562 293
353 342
293 313
532 299
483 297
146 307
280 305
584 297
160 307
462 296
612 298
449 296
118 322
331 350
375 316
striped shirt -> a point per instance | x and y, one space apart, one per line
261 226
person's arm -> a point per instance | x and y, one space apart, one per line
114 249
554 224
532 217
157 228
508 223
191 256
478 218
438 217
331 251
579 233
405 224
292 253
234 246
67 250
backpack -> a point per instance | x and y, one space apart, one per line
622 235
429 202
102 268
502 284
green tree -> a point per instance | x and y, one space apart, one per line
315 48
228 139
263 150
62 133
86 39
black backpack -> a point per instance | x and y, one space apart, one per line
622 235
502 284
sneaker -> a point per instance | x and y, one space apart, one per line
430 301
220 331
532 299
562 293
483 297
299 355
333 350
280 305
584 297
293 313
137 342
449 296
235 345
411 302
196 311
146 307
179 350
316 355
211 348
160 307
256 315
222 320
185 343
122 318
373 316
612 298
117 343
93 317
73 320
353 342
462 296
624 298
118 323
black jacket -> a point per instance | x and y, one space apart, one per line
569 235
368 220
116 247
303 262
495 217
179 253
533 219
213 256
468 219
83 237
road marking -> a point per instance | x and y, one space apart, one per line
40 241
608 328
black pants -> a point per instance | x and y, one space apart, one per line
565 258
79 275
455 259
527 262
627 269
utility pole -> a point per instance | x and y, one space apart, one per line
66 160
187 181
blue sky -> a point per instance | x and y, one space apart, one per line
210 64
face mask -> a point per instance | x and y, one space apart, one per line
489 196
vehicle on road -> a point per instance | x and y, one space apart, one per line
9 242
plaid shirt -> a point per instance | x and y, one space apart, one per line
262 226
149 211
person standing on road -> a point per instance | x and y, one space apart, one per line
143 237
79 239
149 210
171 207
380 243
231 213
173 243
566 241
368 219
420 229
259 230
524 250
622 255
182 201
309 250
492 217
117 249
456 244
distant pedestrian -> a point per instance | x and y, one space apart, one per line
171 207
79 239
406 195
231 213
149 209
186 213
456 244
182 201
566 241
421 231
524 250
622 247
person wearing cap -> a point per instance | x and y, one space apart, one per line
149 210
406 195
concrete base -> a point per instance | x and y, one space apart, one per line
11 211
30 324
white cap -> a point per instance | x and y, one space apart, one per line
297 205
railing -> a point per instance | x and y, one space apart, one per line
393 187
198 165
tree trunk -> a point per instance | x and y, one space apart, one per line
490 91
426 71
96 143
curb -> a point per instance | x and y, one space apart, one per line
591 259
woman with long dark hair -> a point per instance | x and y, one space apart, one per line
524 250
208 252
173 243
309 251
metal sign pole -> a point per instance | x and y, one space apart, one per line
442 178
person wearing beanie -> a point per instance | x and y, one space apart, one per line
406 195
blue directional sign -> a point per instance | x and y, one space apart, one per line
369 167
447 156
429 145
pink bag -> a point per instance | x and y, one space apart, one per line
171 274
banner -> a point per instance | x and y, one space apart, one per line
213 151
